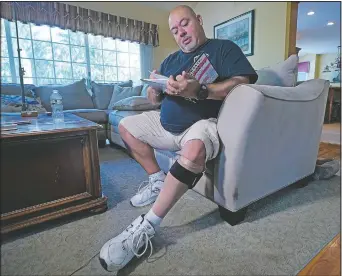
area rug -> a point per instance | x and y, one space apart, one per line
280 235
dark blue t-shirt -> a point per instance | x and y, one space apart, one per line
178 114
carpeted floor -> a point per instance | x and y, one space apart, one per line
280 235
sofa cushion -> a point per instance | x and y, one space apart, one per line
15 89
135 103
281 74
95 115
102 92
75 95
121 93
114 117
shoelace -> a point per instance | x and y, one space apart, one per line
142 234
148 186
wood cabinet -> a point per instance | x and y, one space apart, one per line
49 173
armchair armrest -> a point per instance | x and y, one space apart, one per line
306 91
270 138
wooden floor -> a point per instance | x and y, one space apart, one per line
331 133
329 151
328 261
333 126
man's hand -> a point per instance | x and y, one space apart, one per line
184 86
154 94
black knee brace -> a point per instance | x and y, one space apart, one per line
184 175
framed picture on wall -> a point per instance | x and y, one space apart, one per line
240 30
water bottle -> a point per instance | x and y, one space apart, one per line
56 106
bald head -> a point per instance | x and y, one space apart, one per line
186 28
186 8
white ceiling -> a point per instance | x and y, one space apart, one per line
313 34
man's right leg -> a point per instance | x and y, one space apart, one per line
141 134
143 153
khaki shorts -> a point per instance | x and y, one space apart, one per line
147 128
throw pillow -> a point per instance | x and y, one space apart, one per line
102 92
12 103
15 89
281 74
121 93
75 95
136 103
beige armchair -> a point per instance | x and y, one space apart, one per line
270 138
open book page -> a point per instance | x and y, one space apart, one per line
158 82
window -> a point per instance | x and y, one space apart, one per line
54 56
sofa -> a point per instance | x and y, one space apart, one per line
270 131
94 101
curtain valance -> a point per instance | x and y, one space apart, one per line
65 16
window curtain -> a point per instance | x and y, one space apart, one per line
65 16
146 60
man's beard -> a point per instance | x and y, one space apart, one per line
191 46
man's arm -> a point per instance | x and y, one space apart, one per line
187 86
218 91
154 96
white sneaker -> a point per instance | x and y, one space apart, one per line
147 194
133 241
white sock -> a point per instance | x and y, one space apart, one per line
153 219
157 175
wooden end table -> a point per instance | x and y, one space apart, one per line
48 170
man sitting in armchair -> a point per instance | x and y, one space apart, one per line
186 123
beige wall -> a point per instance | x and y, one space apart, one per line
134 10
270 26
312 59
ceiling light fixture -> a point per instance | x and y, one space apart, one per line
311 13
330 23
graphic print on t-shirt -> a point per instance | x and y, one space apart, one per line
202 70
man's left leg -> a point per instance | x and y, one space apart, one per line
192 159
117 252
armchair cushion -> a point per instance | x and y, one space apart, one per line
281 74
306 91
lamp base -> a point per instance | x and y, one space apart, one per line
29 113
